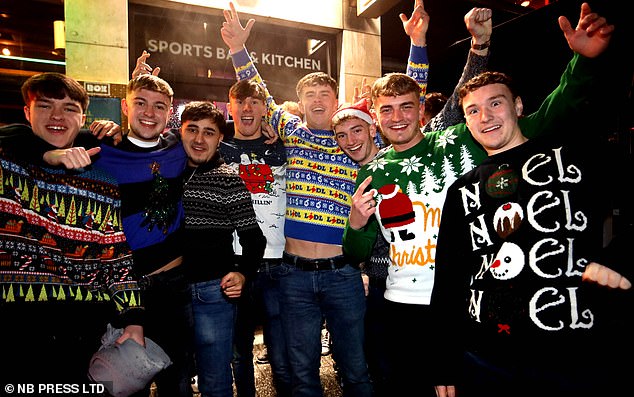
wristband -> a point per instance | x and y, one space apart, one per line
482 46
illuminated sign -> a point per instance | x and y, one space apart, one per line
97 89
193 57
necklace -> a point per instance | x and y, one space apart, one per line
191 176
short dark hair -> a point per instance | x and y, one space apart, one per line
247 88
484 79
54 85
200 110
316 78
434 102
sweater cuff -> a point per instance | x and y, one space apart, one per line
240 58
132 316
418 55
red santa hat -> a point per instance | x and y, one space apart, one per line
359 109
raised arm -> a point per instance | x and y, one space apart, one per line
479 24
416 28
592 34
417 25
235 35
142 67
588 39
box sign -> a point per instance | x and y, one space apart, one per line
193 57
97 89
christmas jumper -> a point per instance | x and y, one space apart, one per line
320 178
516 235
151 191
451 114
217 204
262 167
411 187
61 237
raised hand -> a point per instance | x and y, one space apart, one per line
363 205
416 26
592 34
479 24
143 68
362 92
233 33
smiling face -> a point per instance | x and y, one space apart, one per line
491 114
356 138
148 113
317 99
57 121
317 103
247 116
399 119
200 140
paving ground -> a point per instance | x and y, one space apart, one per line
264 385
263 381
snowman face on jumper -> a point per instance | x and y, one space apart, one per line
508 262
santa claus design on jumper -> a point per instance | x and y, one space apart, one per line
396 212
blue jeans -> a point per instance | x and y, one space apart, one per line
263 296
214 317
306 297
268 280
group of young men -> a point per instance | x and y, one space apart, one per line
169 225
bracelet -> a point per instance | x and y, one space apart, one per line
482 46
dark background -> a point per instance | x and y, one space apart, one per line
528 45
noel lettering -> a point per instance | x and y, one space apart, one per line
546 211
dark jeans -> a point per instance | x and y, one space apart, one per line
308 296
261 304
214 322
247 318
169 323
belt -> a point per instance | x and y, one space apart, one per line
307 264
268 264
162 278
